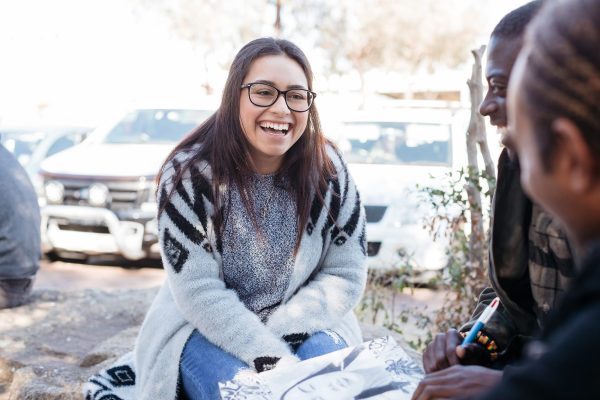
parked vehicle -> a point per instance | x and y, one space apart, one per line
100 194
389 153
32 145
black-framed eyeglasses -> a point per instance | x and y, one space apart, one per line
265 95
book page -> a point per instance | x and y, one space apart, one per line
378 369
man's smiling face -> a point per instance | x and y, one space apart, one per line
502 53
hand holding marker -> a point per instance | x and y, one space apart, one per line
481 321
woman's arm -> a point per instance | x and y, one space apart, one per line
338 283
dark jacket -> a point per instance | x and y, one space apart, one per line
565 362
530 264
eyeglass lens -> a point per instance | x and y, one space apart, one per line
265 95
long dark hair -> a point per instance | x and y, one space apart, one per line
306 165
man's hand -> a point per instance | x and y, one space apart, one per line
445 351
441 352
457 381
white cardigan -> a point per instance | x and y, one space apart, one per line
326 284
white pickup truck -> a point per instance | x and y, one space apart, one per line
389 152
100 194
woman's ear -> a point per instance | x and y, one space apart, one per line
574 157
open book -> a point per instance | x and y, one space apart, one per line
379 369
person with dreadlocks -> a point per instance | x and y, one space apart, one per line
554 124
530 258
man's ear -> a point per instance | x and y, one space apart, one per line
575 158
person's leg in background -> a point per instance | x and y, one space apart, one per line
14 292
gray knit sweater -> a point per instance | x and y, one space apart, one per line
326 282
258 260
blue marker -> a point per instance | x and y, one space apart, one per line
481 321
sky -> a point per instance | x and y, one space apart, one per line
77 62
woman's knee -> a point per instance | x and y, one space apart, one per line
203 365
320 343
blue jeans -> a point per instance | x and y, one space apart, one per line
203 364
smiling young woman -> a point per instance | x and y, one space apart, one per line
263 239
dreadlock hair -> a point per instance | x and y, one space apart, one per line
513 24
562 72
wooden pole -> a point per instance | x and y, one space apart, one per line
277 25
476 137
478 124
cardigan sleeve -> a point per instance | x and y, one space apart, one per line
190 253
337 283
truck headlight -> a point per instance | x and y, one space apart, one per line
98 194
55 192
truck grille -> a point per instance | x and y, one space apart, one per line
123 195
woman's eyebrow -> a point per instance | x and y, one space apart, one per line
273 84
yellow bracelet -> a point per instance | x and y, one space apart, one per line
487 342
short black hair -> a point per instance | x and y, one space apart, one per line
513 24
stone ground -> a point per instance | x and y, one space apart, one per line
408 309
81 318
109 275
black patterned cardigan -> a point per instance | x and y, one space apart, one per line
327 282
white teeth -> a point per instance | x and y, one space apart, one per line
272 125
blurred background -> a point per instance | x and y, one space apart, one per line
91 91
75 62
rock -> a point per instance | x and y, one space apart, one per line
51 345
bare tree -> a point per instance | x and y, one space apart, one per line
215 29
388 35
476 130
278 23
476 138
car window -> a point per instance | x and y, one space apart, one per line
396 143
155 126
63 143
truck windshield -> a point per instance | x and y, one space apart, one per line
396 143
155 126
